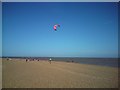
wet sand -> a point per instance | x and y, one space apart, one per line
42 74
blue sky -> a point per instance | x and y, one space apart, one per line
0 30
87 29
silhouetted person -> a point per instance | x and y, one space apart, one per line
26 60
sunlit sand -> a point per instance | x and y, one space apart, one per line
42 74
0 73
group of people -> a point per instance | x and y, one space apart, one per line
37 60
32 60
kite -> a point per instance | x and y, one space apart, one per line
55 26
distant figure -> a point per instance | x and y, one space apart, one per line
26 60
7 58
50 60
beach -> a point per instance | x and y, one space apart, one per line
0 73
17 73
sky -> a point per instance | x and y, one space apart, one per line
86 29
0 30
60 0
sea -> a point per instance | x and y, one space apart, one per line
110 62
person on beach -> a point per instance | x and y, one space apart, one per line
26 60
50 60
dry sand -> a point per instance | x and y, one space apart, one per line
0 73
42 74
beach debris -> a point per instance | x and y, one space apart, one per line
55 26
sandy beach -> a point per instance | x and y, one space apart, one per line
0 73
42 74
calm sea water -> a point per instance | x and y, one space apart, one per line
111 62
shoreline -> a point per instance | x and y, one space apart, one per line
87 62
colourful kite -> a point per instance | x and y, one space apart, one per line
55 26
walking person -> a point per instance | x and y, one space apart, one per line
50 60
26 60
